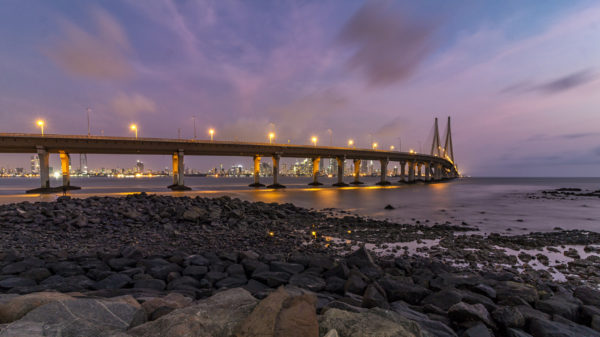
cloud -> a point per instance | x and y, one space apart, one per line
554 86
389 45
102 55
130 105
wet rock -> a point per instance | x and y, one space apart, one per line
218 315
162 270
254 266
66 268
340 270
184 282
120 264
572 253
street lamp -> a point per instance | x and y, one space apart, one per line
271 136
211 132
374 146
391 147
350 143
40 123
314 141
134 128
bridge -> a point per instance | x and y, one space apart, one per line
437 165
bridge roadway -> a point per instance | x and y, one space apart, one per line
435 168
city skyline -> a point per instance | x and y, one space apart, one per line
373 72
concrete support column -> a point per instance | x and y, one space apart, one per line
357 173
411 172
402 172
256 173
315 171
384 165
427 171
340 167
43 156
65 160
419 173
178 172
276 184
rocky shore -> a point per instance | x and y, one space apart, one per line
146 265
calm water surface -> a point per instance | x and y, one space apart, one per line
492 204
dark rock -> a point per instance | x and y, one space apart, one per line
252 266
340 270
197 260
321 261
356 283
36 274
484 289
195 271
256 288
162 271
389 207
361 258
588 295
16 282
131 252
16 268
443 299
183 282
530 313
478 330
335 284
120 264
66 268
159 312
463 312
516 333
562 304
131 272
308 281
397 290
290 268
68 284
508 317
546 328
513 293
236 270
231 282
115 281
434 327
214 276
150 284
271 278
374 296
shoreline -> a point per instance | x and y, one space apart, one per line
441 276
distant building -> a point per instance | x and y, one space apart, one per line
35 164
139 167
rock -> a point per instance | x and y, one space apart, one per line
463 312
308 281
131 252
563 305
160 312
290 268
218 315
595 323
254 266
195 271
161 271
197 260
374 296
389 207
66 268
397 290
340 270
171 300
335 284
236 270
332 333
122 263
546 328
271 278
356 283
36 274
443 299
15 268
321 261
478 330
13 282
282 314
516 333
231 282
513 293
68 284
508 317
17 307
78 317
435 328
184 282
484 289
374 322
256 288
361 258
214 276
587 295
115 281
530 313
150 284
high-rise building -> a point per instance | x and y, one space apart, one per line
139 167
35 164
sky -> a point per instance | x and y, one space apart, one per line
518 78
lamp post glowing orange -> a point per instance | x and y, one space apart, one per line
314 141
351 143
271 136
40 123
134 128
375 146
211 132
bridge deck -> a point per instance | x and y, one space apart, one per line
28 143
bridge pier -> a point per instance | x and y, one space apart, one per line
427 171
178 172
402 172
275 184
411 172
419 172
65 161
384 164
340 173
315 171
256 173
43 156
357 173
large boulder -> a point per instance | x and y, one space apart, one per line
563 304
308 281
436 328
282 313
18 306
79 317
465 313
374 322
172 300
514 293
397 290
546 328
218 316
588 295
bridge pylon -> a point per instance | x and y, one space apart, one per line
436 147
